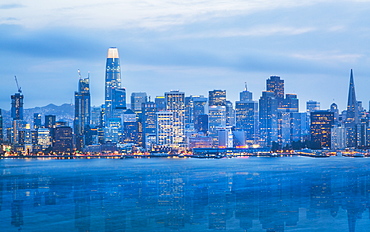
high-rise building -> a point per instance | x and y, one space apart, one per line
149 111
50 121
352 117
291 103
268 118
217 98
131 133
194 106
335 110
246 95
112 80
321 125
63 139
175 103
312 106
160 103
137 99
82 118
164 122
17 106
37 121
230 114
246 113
201 123
216 119
276 85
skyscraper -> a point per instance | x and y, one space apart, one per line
37 120
246 95
217 98
276 85
1 128
321 125
82 111
268 117
352 118
312 106
17 106
112 80
137 99
175 103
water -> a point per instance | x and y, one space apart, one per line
241 194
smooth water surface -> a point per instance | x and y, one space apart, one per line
241 194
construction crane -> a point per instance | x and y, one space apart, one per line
19 88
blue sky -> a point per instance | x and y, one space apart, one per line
191 46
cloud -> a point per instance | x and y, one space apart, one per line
329 57
10 6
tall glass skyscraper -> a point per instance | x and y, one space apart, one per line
82 111
113 83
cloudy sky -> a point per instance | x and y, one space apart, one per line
191 46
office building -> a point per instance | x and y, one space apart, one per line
217 98
82 118
137 99
246 113
112 81
321 125
165 128
175 103
37 121
268 118
63 140
17 106
245 95
312 106
276 85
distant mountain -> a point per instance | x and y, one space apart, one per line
63 112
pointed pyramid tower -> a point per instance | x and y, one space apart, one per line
352 118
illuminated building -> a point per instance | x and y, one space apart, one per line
276 85
200 141
96 117
149 111
268 118
82 112
131 133
63 139
194 106
291 103
217 98
246 95
338 137
334 109
137 99
160 103
112 80
230 114
201 123
44 138
164 122
246 113
118 102
37 121
321 125
175 103
216 118
225 137
352 117
113 130
312 106
17 106
50 121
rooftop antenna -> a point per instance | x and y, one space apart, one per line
245 84
19 88
88 75
79 73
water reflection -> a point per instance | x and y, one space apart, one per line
158 195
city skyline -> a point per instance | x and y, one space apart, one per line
191 47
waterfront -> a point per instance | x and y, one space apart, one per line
240 194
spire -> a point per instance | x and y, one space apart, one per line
352 105
245 84
352 102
